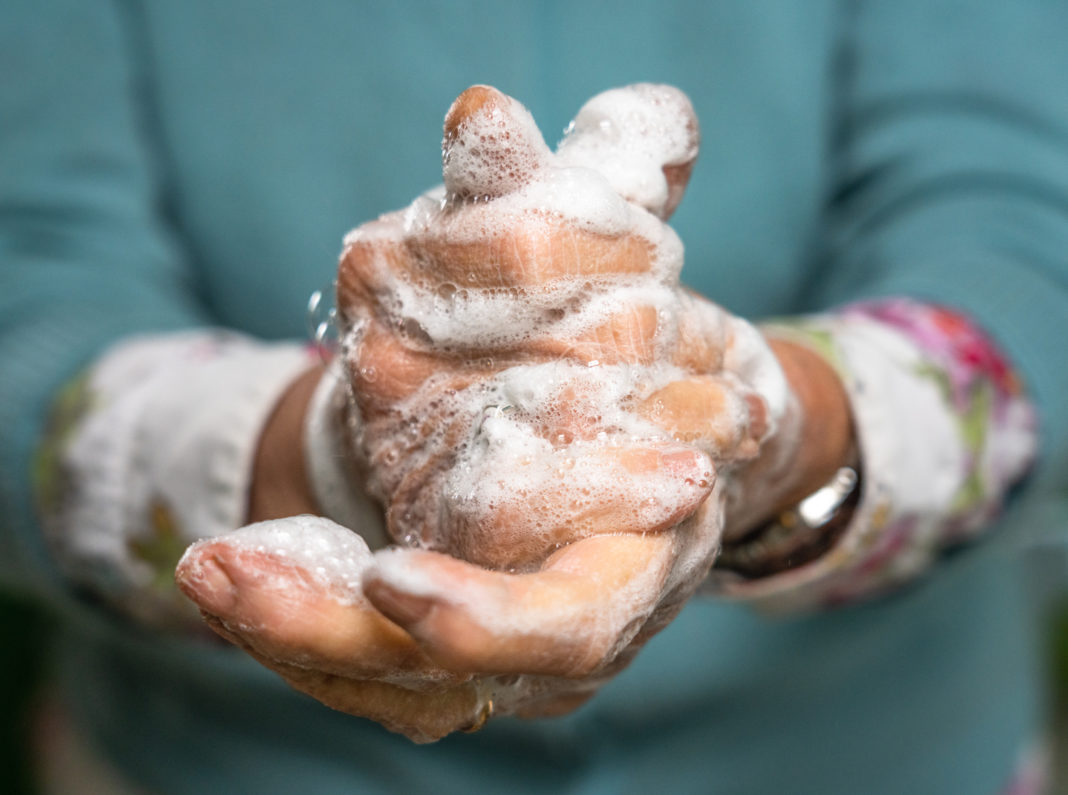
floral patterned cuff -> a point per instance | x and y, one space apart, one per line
944 429
150 450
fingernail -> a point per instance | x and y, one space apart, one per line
207 584
399 606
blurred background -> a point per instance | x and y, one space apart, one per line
23 633
23 677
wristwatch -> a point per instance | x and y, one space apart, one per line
799 534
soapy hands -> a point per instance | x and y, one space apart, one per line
527 371
542 411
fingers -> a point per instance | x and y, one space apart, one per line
702 333
470 246
394 355
644 138
385 369
373 258
474 249
491 145
519 512
493 148
627 335
710 412
423 715
569 619
677 178
424 712
258 590
283 610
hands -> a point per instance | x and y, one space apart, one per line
543 413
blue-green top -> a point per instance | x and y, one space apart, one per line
167 165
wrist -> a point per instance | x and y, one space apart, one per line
825 439
280 481
798 535
813 441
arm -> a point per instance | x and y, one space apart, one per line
429 616
100 320
949 183
951 180
281 484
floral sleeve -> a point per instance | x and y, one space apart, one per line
150 450
944 429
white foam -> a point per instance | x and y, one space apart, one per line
332 555
492 445
454 318
580 196
629 134
750 358
495 151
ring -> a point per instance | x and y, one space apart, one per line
484 715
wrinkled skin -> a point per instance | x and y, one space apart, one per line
534 620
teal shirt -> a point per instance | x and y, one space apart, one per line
170 165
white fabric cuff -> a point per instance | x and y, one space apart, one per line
333 476
940 443
162 456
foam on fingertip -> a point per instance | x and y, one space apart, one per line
327 553
643 138
491 145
